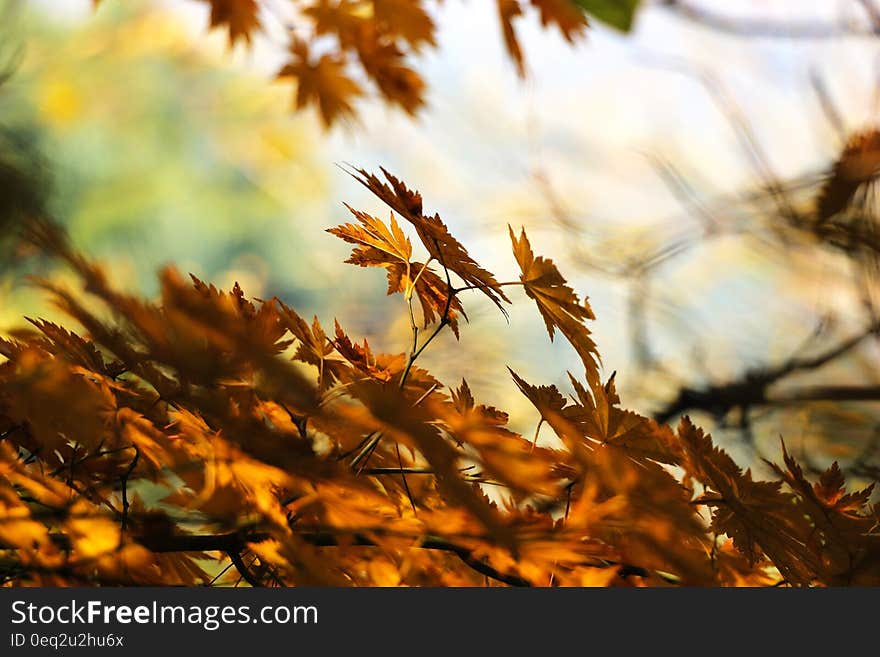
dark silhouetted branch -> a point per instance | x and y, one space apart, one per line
754 388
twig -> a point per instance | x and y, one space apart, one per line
243 570
125 505
409 496
483 286
444 320
829 107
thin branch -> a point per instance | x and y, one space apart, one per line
483 286
364 455
444 320
829 107
409 495
125 504
221 573
426 394
243 570
681 189
378 472
233 543
742 129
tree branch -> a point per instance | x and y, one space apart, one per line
243 570
753 388
232 543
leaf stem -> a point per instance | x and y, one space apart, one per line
444 321
483 286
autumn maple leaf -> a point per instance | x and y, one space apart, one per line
397 82
505 455
240 17
434 235
324 84
857 164
566 15
557 302
405 19
377 245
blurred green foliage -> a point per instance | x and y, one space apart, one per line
160 151
616 13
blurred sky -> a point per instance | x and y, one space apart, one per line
583 122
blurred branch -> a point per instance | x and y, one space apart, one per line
742 129
773 28
829 107
873 13
753 388
682 190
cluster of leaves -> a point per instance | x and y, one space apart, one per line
335 46
209 438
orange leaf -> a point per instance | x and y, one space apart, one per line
566 15
240 17
405 19
557 303
508 11
432 232
857 164
324 84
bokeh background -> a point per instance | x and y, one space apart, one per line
649 165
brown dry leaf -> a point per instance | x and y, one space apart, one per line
839 532
324 84
226 484
757 515
655 525
397 82
508 11
857 164
76 349
382 367
565 15
506 456
92 536
381 246
211 335
64 409
604 421
375 41
18 529
831 489
413 426
377 245
314 347
553 409
405 19
434 235
240 17
557 303
733 569
343 19
257 461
